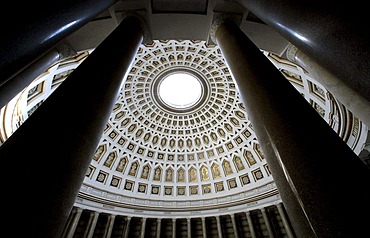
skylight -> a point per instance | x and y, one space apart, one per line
180 90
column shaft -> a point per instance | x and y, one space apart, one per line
143 225
326 33
76 217
67 225
10 88
340 90
267 222
285 221
127 229
43 29
219 227
234 225
93 219
158 233
173 228
67 128
16 84
204 227
109 227
250 224
188 220
306 157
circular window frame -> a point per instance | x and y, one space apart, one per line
205 88
175 84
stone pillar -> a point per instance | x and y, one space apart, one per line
76 217
267 222
204 227
324 32
250 224
66 128
143 225
67 225
16 84
159 222
189 226
285 221
127 229
90 228
307 158
109 227
42 30
219 227
341 91
234 225
173 227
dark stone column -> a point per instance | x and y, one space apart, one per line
332 33
20 81
46 158
344 94
322 182
39 28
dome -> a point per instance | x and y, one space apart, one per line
155 157
196 142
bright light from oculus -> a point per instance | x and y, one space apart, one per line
180 90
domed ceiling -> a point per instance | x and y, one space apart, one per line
158 155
